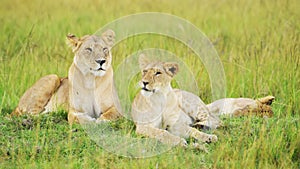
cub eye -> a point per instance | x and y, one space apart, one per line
105 50
157 73
89 49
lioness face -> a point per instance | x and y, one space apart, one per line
92 53
156 76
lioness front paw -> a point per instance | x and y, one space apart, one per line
102 120
183 143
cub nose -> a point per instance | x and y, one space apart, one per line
101 62
145 83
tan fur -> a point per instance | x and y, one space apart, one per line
166 114
88 93
36 97
243 106
59 100
92 95
158 110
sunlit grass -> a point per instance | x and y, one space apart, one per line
258 44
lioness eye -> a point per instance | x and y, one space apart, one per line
157 73
89 49
105 50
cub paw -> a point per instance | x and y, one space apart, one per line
212 139
200 147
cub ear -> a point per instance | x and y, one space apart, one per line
143 61
171 68
109 37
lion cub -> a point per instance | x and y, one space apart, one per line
157 109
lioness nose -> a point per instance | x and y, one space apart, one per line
145 83
101 62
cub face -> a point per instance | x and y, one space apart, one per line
156 76
92 53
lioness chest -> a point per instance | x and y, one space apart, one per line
163 111
90 94
85 101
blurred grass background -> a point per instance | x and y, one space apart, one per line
258 44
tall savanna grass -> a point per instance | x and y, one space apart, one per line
258 44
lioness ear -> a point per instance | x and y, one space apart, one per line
143 61
171 68
109 37
73 42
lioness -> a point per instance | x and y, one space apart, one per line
89 91
167 114
160 112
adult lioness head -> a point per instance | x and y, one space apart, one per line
156 76
92 53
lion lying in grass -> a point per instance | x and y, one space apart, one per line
167 114
88 93
243 106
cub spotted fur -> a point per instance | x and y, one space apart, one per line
88 93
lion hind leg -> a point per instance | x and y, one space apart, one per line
261 107
266 100
262 110
37 96
60 99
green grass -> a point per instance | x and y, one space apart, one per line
258 44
